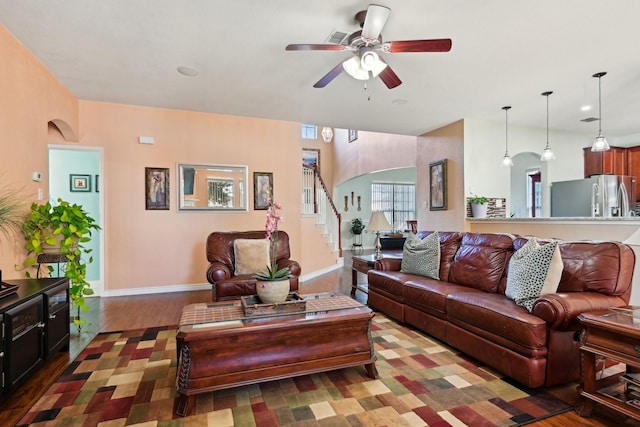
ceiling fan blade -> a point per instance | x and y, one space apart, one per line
329 76
389 77
434 45
374 21
316 47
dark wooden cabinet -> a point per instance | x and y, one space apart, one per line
633 167
611 162
34 325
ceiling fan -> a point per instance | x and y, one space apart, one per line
365 43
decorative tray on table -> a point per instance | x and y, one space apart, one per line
7 289
252 305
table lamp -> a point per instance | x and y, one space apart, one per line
378 222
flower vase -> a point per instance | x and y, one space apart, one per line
273 291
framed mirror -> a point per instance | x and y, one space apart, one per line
212 187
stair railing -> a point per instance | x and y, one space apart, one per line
316 200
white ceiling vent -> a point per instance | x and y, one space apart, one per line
338 37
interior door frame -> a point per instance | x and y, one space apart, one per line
98 287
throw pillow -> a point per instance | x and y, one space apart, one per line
251 255
528 270
422 256
554 274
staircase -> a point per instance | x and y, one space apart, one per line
316 200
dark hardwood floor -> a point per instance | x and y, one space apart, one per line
132 312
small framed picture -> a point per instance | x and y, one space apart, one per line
262 189
156 188
81 183
311 157
438 185
97 186
353 135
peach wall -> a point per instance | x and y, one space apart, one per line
446 142
371 152
151 248
31 98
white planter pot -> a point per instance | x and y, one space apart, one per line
479 210
273 291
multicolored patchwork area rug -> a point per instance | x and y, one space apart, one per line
128 378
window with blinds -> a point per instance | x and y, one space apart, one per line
397 201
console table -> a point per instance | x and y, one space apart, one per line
611 334
35 324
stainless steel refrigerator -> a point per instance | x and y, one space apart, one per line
598 196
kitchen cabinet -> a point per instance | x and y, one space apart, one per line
611 162
633 167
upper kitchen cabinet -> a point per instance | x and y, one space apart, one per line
633 167
611 162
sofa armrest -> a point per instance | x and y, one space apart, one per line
294 266
388 264
218 271
561 310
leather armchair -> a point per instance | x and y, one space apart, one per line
220 273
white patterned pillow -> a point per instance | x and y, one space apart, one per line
422 257
528 270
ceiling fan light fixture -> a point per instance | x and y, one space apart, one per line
353 68
600 143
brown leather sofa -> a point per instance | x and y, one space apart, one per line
220 272
468 310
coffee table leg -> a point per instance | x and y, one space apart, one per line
371 370
185 405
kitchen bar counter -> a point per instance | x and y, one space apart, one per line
566 228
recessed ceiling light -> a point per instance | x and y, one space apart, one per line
188 71
399 101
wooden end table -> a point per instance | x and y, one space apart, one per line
219 347
612 334
362 264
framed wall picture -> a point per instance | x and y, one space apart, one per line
80 183
438 185
156 185
262 189
97 184
311 157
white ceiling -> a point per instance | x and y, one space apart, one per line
505 52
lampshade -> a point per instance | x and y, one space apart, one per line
547 154
634 239
600 143
506 160
327 134
378 222
367 61
353 68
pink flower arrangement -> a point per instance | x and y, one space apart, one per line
271 227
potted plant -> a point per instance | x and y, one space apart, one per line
273 285
479 205
65 227
11 211
356 226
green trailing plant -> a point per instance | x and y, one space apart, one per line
273 273
66 227
481 200
357 226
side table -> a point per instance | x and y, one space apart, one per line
612 334
362 264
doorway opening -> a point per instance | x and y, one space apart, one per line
534 193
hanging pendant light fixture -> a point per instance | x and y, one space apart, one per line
547 154
600 143
506 160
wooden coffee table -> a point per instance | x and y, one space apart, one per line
612 334
218 347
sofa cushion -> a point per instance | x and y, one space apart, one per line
528 269
251 255
481 260
422 256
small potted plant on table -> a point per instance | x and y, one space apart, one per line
479 205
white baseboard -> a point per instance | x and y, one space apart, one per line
157 290
313 275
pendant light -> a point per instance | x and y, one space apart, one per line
600 143
506 160
547 154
